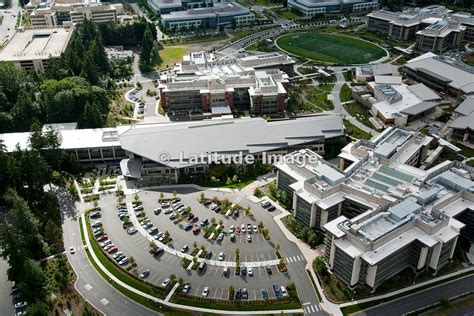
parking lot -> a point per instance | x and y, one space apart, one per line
161 267
145 105
258 249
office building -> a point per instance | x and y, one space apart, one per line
434 28
312 8
441 74
66 12
32 48
226 14
400 104
380 212
204 86
463 125
137 148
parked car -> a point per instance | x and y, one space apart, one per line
220 237
124 261
264 294
269 269
242 228
277 290
265 204
208 254
232 237
196 230
112 250
157 211
245 294
238 294
249 238
117 254
72 250
205 291
165 283
188 227
204 222
221 256
185 248
250 271
271 208
173 216
132 231
232 229
145 273
284 292
186 288
255 229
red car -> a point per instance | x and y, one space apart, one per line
237 229
112 250
101 238
196 230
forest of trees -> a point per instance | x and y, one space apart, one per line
31 228
76 87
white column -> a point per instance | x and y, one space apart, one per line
454 247
422 259
356 271
371 273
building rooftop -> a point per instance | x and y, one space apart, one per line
37 43
447 70
246 136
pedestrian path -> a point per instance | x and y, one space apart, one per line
294 259
311 308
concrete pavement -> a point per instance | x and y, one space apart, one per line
338 106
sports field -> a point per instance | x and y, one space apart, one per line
330 48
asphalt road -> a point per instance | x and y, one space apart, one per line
6 304
90 284
422 299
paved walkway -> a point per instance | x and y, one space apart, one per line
338 106
113 278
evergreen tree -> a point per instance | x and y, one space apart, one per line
147 49
32 281
91 117
89 70
98 55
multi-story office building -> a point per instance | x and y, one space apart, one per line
381 213
440 36
434 28
210 17
139 149
66 12
31 49
167 6
201 85
312 8
442 74
463 125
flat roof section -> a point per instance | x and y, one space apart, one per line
36 44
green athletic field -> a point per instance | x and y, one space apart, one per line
330 48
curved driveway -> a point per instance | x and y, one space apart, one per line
90 283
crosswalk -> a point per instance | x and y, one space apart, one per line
294 259
310 308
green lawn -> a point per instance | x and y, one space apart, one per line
360 113
356 132
345 94
170 55
319 97
196 39
241 34
288 14
467 152
330 48
468 59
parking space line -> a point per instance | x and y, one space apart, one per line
217 270
152 279
254 294
197 289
